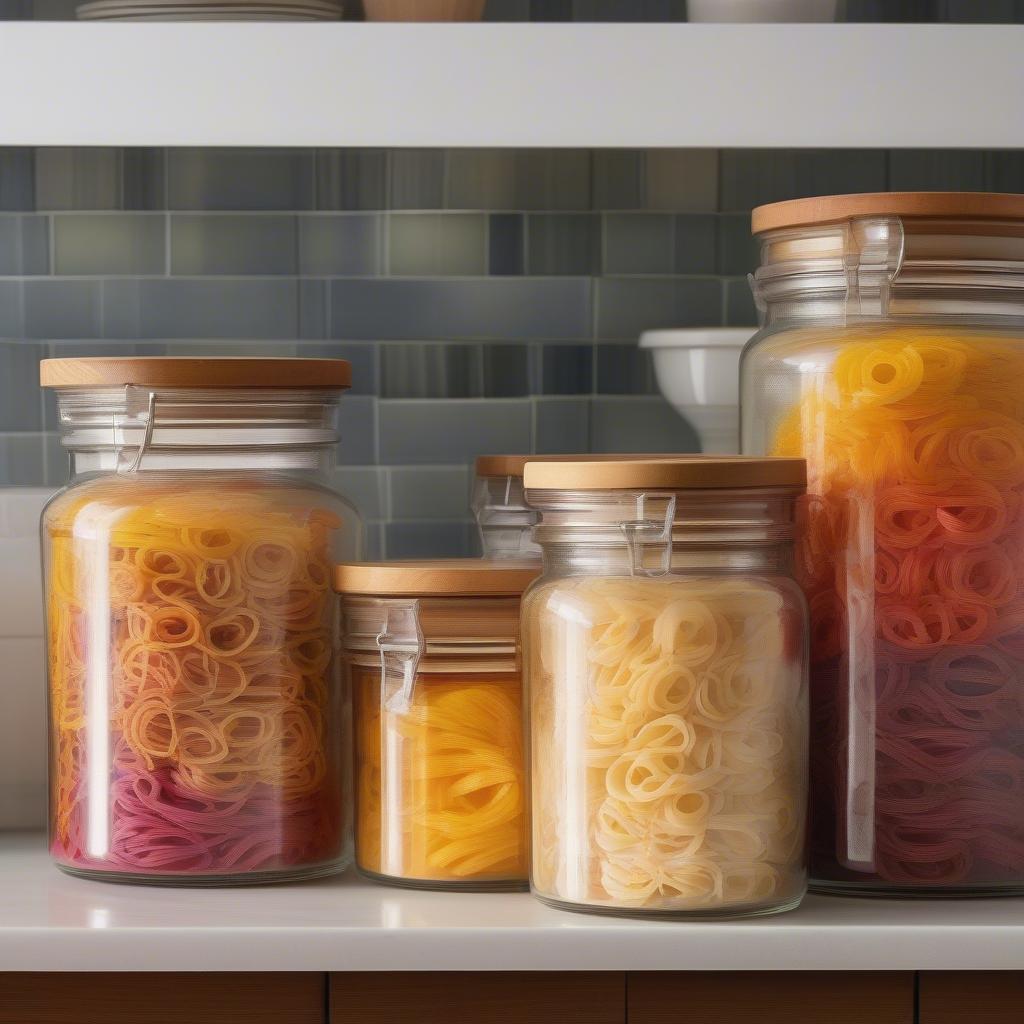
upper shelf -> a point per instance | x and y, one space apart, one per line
586 85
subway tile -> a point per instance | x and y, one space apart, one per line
211 244
414 432
24 244
990 12
505 371
507 10
751 177
738 251
17 178
890 10
429 540
366 487
78 178
416 179
314 315
340 244
550 10
638 243
195 308
428 244
21 407
618 179
505 244
351 179
694 243
364 360
240 179
562 425
53 10
512 308
21 460
57 308
936 170
143 179
12 320
740 310
567 370
56 461
435 492
518 179
237 347
357 426
684 180
109 243
627 306
624 370
624 425
373 542
423 370
629 10
563 244
16 10
1005 171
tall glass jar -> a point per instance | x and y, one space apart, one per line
432 650
197 719
665 656
502 516
891 356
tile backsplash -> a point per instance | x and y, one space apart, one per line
489 300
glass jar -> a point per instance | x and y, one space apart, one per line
502 516
197 720
665 656
891 356
432 651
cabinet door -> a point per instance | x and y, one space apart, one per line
159 998
971 997
527 997
771 997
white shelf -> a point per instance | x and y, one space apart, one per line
586 85
49 921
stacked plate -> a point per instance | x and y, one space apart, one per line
209 10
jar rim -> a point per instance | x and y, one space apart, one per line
440 577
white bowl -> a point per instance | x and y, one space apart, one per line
792 11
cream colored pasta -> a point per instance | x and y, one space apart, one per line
669 743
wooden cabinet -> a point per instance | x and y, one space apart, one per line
971 997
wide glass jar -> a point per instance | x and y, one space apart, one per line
502 517
432 649
197 719
891 357
665 657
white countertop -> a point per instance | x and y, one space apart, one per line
50 921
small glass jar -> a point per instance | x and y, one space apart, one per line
197 719
891 356
666 673
432 651
502 516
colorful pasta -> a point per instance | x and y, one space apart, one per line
193 696
912 561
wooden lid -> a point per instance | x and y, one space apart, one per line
502 465
794 213
195 372
451 577
694 472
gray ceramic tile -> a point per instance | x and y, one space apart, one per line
567 370
17 179
20 405
435 492
24 244
624 370
623 425
684 180
518 179
357 423
889 10
1005 171
694 243
78 178
314 314
56 461
373 542
54 10
500 308
366 487
428 244
507 10
15 10
618 176
22 461
550 10
12 321
754 176
240 347
351 179
627 306
240 179
739 304
211 244
505 244
563 243
143 179
991 12
629 10
340 245
936 170
423 370
562 425
365 361
429 540
738 250
414 432
638 243
109 243
505 371
191 308
62 309
416 179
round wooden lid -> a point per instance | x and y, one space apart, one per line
501 465
195 372
794 213
451 577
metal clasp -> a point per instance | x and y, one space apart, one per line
649 535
